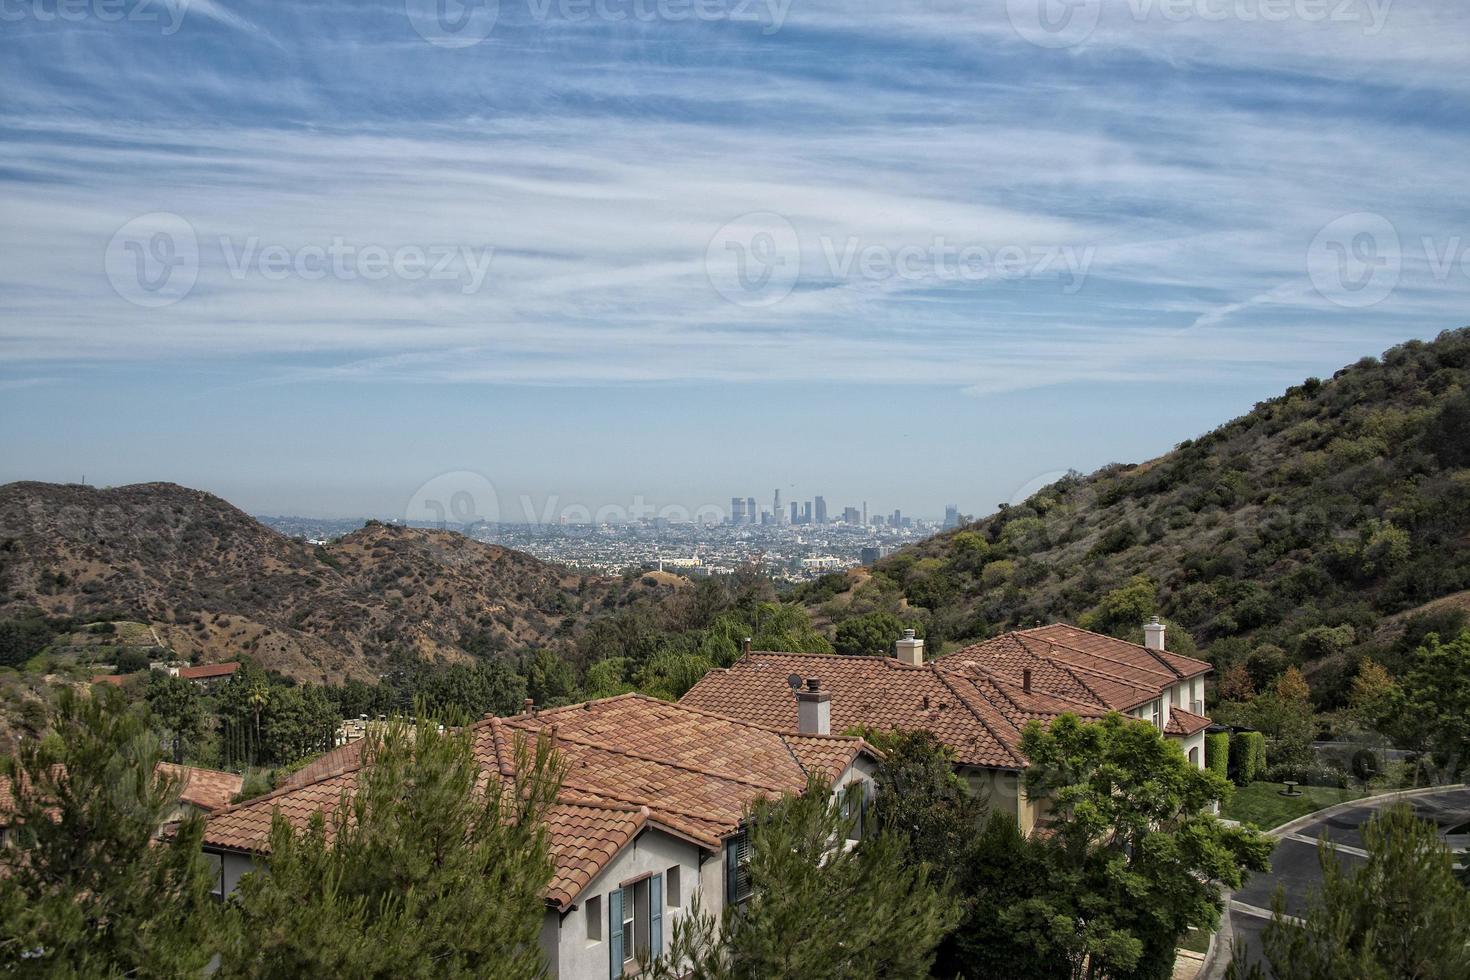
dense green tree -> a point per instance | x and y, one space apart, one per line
607 678
920 800
261 722
818 908
670 673
1433 706
550 680
489 686
1123 611
1402 915
1001 934
22 639
179 713
420 874
1135 856
872 634
784 626
86 889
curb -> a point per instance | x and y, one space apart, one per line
1291 826
1222 943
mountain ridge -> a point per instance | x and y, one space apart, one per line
215 582
1300 526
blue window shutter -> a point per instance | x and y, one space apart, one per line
615 933
655 916
732 872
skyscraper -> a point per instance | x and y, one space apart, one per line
795 512
806 512
752 515
821 511
776 510
865 513
737 510
951 515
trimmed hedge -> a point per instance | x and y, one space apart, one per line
1217 753
1247 757
1257 755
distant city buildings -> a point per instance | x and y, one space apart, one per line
796 540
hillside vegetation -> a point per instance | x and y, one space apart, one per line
1310 530
209 582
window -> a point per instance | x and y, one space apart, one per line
635 918
216 863
594 919
1194 757
632 896
737 869
671 887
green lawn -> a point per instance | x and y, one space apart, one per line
1196 940
1263 805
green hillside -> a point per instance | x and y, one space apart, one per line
1308 530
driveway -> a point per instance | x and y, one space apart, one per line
1296 869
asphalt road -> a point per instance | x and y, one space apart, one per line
1296 862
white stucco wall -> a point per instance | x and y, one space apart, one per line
577 957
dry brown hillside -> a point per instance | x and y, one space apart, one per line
212 580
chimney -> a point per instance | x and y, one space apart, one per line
528 706
911 649
1026 679
745 647
1153 634
813 709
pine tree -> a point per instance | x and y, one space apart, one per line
86 889
821 905
1401 916
423 872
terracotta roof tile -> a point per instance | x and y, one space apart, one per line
877 692
1076 663
974 700
1185 723
208 789
205 671
631 761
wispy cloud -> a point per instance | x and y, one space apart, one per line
1128 213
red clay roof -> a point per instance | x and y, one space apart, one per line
973 700
1185 723
208 789
114 679
980 718
632 761
1066 660
205 671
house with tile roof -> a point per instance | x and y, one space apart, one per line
1144 681
199 790
977 700
650 811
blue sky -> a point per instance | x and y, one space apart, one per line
314 257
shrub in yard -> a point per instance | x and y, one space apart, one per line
1217 753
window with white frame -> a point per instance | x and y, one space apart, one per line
635 918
